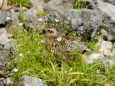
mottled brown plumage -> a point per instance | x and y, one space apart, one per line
61 46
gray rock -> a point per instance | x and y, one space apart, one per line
94 56
110 1
4 46
105 47
4 36
31 13
1 82
1 47
30 81
5 17
53 5
108 34
85 20
109 62
8 81
106 8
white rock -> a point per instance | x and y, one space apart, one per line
4 36
30 81
95 56
107 8
105 48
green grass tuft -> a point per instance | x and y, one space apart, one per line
78 4
18 3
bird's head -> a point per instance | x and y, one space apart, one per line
49 32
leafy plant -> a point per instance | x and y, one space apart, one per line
24 3
78 4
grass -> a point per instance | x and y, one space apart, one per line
19 3
33 59
79 4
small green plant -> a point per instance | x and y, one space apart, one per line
24 3
78 4
91 45
22 19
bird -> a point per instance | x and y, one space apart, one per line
62 46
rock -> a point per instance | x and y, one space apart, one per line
31 13
60 5
106 8
93 57
4 46
5 17
4 37
3 4
105 47
37 3
1 82
113 50
1 47
33 20
109 62
110 1
86 22
8 81
30 81
53 5
108 34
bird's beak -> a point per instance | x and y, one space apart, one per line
42 33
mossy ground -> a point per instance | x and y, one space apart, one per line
33 59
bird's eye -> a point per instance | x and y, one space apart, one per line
44 31
50 31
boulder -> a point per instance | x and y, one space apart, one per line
1 82
30 81
85 21
3 4
105 48
106 8
33 20
8 81
4 37
5 17
4 46
110 1
53 5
